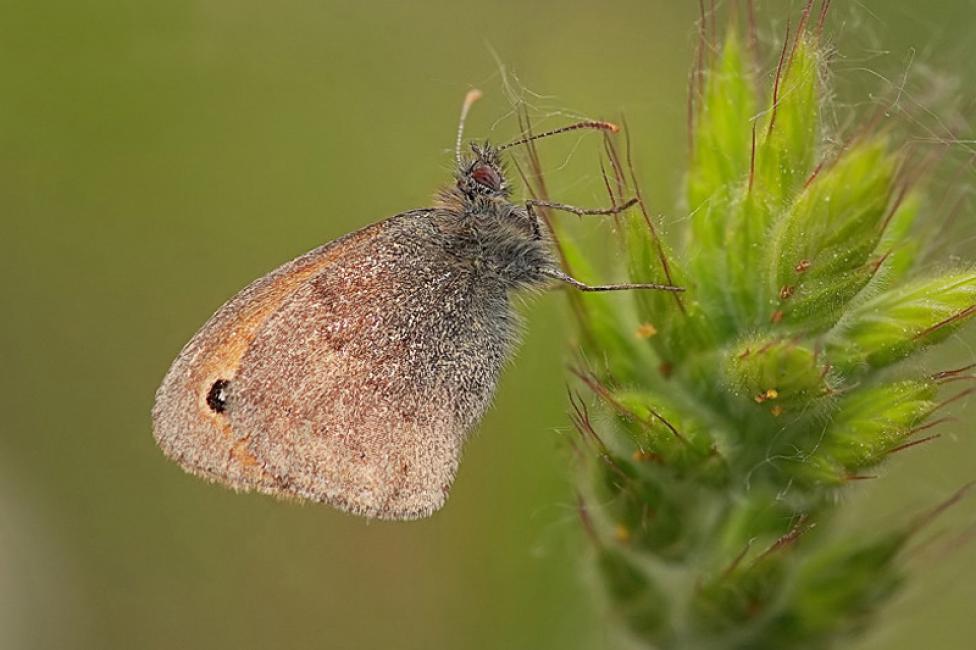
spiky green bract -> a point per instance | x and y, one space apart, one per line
734 415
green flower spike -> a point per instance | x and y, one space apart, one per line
731 417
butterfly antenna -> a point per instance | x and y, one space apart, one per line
588 124
473 95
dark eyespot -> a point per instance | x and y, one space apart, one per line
217 396
485 175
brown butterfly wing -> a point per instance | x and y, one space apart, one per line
352 374
185 426
360 389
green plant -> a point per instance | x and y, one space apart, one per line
731 421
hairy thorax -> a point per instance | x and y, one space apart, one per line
495 239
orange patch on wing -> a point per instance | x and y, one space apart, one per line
240 453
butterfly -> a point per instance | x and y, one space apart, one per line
353 374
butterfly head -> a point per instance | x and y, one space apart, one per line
482 174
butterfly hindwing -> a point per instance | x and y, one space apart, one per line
359 391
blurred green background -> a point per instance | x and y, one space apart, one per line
155 157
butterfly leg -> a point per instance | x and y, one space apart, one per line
556 274
552 205
582 212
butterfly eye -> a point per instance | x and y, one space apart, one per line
217 396
488 177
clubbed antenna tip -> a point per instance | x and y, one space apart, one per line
469 99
